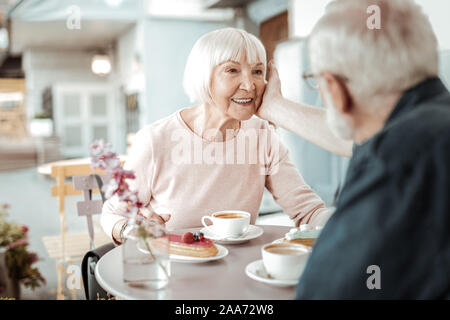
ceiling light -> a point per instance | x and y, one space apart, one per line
101 65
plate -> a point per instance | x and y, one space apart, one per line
256 271
251 233
223 252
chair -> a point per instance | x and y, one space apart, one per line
88 208
69 247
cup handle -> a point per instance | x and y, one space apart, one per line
204 223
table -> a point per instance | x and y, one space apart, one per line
46 168
223 279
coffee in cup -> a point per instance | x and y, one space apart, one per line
284 261
229 223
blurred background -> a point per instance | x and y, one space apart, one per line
72 71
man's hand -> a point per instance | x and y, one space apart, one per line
272 92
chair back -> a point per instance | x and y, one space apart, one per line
62 189
89 207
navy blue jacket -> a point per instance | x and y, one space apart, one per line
393 212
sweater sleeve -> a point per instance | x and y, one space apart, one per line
139 160
289 189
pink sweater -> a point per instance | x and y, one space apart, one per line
180 173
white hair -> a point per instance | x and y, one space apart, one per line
212 49
392 59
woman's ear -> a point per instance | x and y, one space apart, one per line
339 93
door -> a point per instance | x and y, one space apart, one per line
83 113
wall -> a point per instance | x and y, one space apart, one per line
305 13
45 67
167 43
438 11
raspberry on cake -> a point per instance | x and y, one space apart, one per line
186 245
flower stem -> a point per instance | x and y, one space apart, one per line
154 258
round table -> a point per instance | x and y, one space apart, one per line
46 168
223 279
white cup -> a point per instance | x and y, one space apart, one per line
229 223
284 261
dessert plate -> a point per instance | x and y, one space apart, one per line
223 252
256 271
251 233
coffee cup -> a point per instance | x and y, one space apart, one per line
284 261
229 223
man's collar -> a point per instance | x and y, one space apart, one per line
414 96
411 98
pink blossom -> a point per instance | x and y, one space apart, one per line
103 158
5 206
32 258
20 242
24 228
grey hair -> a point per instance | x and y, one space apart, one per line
402 53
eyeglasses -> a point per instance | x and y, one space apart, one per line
310 79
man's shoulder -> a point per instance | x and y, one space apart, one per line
415 134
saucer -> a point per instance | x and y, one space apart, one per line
222 253
251 233
256 271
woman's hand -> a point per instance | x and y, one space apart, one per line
272 93
160 218
147 214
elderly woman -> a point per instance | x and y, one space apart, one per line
216 155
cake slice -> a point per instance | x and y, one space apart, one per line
190 245
202 248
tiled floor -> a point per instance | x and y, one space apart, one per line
28 194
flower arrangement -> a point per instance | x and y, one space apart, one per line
19 261
103 158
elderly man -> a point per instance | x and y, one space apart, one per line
389 236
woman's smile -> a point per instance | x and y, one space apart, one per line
245 102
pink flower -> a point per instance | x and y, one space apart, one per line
5 206
32 258
103 158
20 242
24 228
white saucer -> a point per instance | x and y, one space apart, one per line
251 233
278 240
223 252
256 271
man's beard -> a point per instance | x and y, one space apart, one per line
338 124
